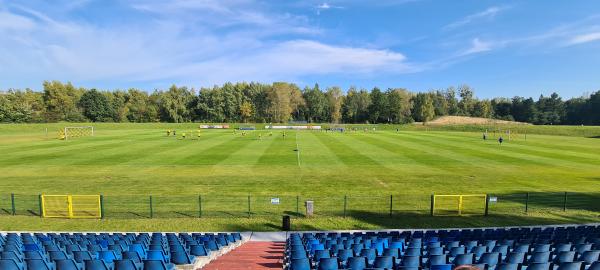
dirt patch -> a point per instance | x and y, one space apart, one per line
465 120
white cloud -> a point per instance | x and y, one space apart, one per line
87 53
584 38
477 46
9 21
326 6
489 13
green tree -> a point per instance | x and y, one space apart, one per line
378 107
174 104
423 108
61 102
466 102
399 105
246 111
335 98
317 106
96 106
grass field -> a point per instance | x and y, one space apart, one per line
129 162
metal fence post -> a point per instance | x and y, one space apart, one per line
40 204
431 206
391 204
345 204
526 202
151 210
101 206
249 206
487 204
12 201
565 202
199 206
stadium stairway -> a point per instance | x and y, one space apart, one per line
263 251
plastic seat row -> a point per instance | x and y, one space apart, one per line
107 251
549 248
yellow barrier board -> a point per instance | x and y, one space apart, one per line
71 206
459 205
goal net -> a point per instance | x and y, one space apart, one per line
71 206
76 132
459 205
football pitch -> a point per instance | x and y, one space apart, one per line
223 180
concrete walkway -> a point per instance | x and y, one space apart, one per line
251 256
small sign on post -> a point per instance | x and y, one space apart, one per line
309 208
274 200
493 199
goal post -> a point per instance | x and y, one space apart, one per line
71 206
76 132
459 205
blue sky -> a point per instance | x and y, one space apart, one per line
500 48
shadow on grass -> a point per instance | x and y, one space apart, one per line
557 201
369 220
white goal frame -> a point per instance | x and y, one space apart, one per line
66 129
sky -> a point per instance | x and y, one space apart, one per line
500 48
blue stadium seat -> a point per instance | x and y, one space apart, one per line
328 264
344 254
437 260
441 267
539 257
589 257
490 258
538 266
507 266
67 264
384 262
96 265
370 254
126 264
38 264
198 250
569 266
515 257
157 265
594 266
321 254
564 256
80 256
411 261
9 264
132 255
357 263
463 259
107 255
298 264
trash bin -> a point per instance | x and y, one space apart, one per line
285 224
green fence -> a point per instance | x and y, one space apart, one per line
201 206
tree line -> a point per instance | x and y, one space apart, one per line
281 102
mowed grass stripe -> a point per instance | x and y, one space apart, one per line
546 149
138 150
345 154
314 152
54 143
281 151
55 156
207 151
251 152
480 156
462 156
510 151
416 155
386 154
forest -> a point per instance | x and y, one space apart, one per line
282 102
